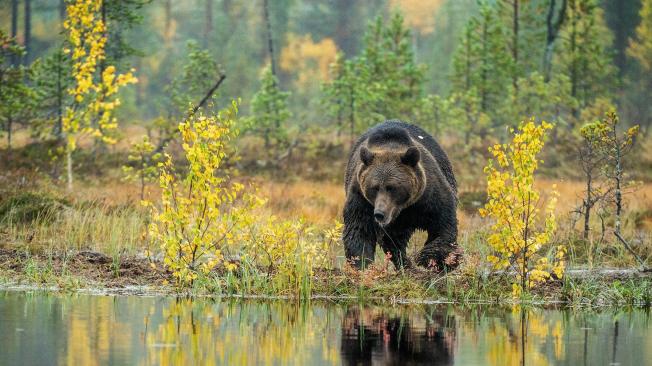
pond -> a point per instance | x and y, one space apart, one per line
40 328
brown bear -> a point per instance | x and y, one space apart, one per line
398 179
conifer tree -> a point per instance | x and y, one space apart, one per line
52 77
15 95
383 82
482 62
270 111
199 74
586 56
348 97
640 49
524 25
120 16
393 73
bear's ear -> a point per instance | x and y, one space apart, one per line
411 157
366 156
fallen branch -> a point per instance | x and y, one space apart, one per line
208 95
164 141
644 268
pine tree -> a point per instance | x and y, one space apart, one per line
199 74
270 112
549 101
525 27
52 77
393 73
586 56
383 82
348 97
640 49
120 16
16 96
482 64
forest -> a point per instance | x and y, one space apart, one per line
199 146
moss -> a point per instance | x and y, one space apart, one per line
27 207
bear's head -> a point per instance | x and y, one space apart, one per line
391 179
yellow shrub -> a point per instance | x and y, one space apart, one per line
519 231
202 212
291 250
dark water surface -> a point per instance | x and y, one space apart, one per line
40 328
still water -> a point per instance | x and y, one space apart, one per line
39 328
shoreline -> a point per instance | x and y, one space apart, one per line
94 273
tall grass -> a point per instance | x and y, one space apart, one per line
89 226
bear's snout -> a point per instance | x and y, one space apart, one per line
379 216
384 210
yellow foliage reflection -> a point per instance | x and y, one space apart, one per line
94 330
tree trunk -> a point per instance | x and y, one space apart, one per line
208 26
345 10
573 49
515 35
587 205
167 31
9 127
14 27
270 42
59 126
352 115
62 11
142 178
619 178
28 31
69 167
553 27
483 89
467 76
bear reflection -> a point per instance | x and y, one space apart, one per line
375 336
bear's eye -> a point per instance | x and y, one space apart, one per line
390 189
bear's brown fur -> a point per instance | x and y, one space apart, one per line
398 180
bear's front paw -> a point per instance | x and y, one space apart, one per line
440 258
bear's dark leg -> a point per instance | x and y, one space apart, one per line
395 243
359 235
440 250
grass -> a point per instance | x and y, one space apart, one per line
39 218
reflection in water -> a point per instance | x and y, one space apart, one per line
42 329
384 337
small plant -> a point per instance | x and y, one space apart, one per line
291 250
142 164
199 216
613 148
519 231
